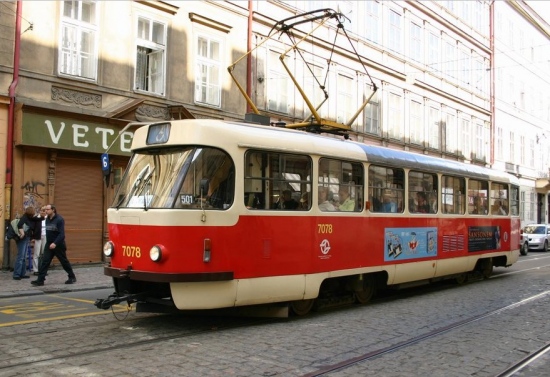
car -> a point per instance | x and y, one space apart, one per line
534 237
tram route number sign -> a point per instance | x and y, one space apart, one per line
105 165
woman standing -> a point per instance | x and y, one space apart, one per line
24 226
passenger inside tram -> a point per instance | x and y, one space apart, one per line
346 203
388 202
324 203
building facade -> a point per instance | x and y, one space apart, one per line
522 104
73 74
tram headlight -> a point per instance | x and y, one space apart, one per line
108 249
155 253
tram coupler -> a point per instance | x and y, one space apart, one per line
106 303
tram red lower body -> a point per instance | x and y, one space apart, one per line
264 246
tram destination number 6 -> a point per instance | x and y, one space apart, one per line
324 228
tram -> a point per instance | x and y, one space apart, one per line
216 214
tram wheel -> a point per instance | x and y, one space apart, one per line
461 279
487 268
301 307
365 295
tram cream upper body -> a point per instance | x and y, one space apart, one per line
232 135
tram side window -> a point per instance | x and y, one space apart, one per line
514 200
386 189
477 197
277 181
422 192
340 185
499 199
453 195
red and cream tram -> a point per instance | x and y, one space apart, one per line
213 214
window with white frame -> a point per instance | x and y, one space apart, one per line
372 115
463 73
464 140
449 63
78 46
478 75
433 52
532 152
395 116
313 80
372 23
512 149
499 145
480 144
465 12
345 108
150 56
208 69
416 50
451 134
394 38
522 151
416 123
277 86
434 128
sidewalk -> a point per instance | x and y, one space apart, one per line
88 276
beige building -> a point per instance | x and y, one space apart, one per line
74 73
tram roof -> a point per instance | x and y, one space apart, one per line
393 157
257 136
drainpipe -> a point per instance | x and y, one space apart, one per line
11 110
11 123
492 78
249 57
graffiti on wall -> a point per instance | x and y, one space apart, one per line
32 194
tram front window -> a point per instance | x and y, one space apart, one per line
189 177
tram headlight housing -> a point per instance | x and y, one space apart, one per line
108 249
158 253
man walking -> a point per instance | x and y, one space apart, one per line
55 246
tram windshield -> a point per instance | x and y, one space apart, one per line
185 177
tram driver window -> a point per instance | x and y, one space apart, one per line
209 181
422 192
343 183
386 189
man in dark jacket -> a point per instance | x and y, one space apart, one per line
55 246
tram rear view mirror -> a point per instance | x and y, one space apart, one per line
203 186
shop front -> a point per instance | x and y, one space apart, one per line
57 159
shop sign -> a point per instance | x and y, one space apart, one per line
72 134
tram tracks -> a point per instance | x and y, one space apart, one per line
344 364
523 363
205 326
169 328
201 328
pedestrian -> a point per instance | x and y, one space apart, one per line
24 227
55 246
39 239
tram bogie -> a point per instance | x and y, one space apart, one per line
216 215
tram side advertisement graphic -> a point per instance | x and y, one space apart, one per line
484 238
410 243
